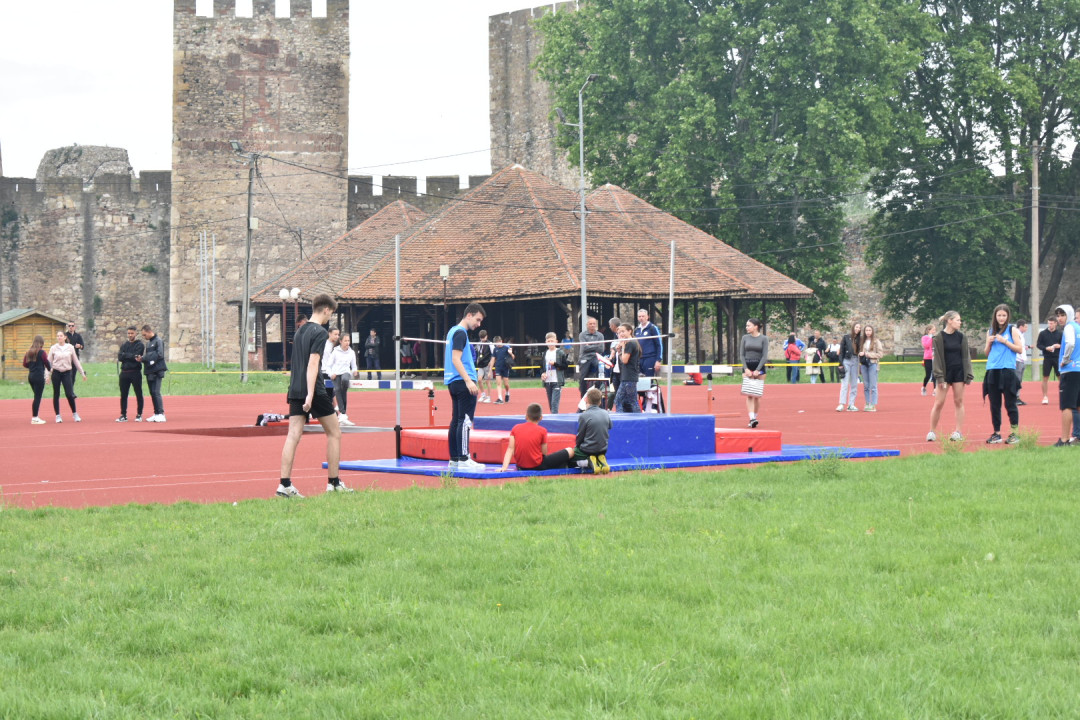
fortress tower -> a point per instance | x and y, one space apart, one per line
279 86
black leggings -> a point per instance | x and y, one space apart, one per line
928 369
37 384
553 461
67 379
131 381
995 394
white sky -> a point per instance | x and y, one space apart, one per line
99 72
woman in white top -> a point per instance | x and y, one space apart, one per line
342 368
64 362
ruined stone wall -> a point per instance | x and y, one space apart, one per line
94 249
520 103
440 190
279 86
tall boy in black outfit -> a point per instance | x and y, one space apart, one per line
1049 344
131 374
307 396
154 368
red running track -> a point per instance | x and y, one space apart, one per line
101 462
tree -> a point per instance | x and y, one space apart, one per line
753 121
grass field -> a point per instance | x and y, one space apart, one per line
937 586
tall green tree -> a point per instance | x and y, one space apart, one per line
753 121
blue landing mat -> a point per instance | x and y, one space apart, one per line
790 453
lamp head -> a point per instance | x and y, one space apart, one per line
283 294
592 77
236 146
294 293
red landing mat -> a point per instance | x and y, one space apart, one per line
745 440
486 446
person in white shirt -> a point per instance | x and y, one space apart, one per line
324 369
342 368
1021 358
64 361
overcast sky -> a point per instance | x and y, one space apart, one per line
99 72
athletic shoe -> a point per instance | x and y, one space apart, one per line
122 418
37 421
1020 402
486 399
956 437
498 402
59 419
470 465
1046 400
994 439
753 422
870 408
852 408
1061 443
138 418
931 436
1012 439
599 464
330 488
840 407
288 492
507 397
161 417
76 418
344 420
924 391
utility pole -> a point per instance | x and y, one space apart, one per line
1035 314
253 159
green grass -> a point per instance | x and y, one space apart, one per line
937 586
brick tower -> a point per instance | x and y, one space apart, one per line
279 86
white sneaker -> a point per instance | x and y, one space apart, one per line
37 421
161 418
59 419
138 418
1046 400
956 437
344 420
76 417
930 436
469 465
282 491
840 407
330 488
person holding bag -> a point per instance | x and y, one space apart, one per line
754 350
849 368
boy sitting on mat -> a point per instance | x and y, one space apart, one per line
528 441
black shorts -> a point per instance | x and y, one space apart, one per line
1069 391
321 406
954 374
1050 365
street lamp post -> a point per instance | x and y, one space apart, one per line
284 295
253 160
580 125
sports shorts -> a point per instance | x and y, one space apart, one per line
502 371
483 373
1050 365
1069 391
321 406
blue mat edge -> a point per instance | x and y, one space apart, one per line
789 453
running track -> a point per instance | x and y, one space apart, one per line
100 462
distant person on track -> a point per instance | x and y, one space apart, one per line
588 354
952 369
652 346
870 354
1069 384
928 356
307 396
554 363
626 397
154 368
1021 359
36 360
459 376
371 355
849 368
485 367
754 350
343 369
832 354
793 353
131 373
75 339
504 360
1049 344
64 361
1002 344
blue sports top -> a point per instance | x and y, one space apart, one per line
450 373
1001 357
1071 363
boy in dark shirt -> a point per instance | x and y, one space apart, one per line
1049 344
307 396
626 399
504 356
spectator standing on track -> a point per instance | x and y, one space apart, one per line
1021 359
626 397
555 363
36 360
588 363
504 359
459 376
870 354
77 342
372 345
1069 369
652 346
307 395
952 369
154 368
754 349
616 371
819 345
343 369
131 373
1049 344
1002 343
332 337
793 353
832 354
928 356
849 366
64 361
485 367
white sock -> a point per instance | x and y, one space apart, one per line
753 416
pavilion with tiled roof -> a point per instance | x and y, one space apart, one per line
513 243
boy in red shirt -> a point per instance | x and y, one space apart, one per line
528 445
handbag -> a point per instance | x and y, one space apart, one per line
842 372
753 386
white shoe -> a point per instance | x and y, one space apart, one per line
956 437
840 407
76 417
344 420
37 421
469 465
59 419
285 492
338 488
161 418
930 436
1046 400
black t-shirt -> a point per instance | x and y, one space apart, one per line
309 340
951 344
631 369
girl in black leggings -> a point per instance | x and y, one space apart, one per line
928 356
37 362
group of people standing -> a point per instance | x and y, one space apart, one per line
859 357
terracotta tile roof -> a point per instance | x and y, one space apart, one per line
337 265
517 236
761 280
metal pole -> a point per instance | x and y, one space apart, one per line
284 356
581 167
1035 314
670 322
397 335
213 302
246 304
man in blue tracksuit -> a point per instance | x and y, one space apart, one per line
1069 368
459 376
652 346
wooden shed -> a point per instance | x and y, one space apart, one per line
17 330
